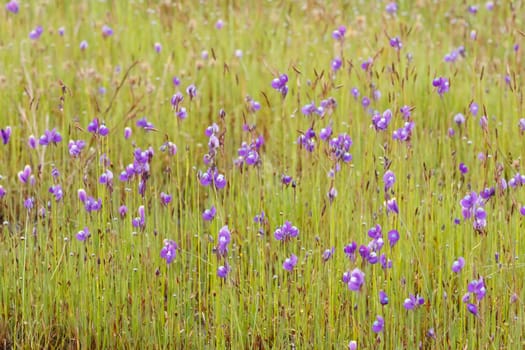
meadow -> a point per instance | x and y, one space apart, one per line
262 175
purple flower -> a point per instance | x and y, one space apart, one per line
191 90
413 302
381 121
83 45
29 203
140 221
56 191
219 24
339 33
209 214
97 128
328 254
25 175
365 65
352 345
279 84
396 43
123 211
484 122
355 92
165 198
182 114
36 33
75 147
391 8
378 325
458 265
286 232
472 308
176 99
223 241
169 251
127 132
50 136
474 108
12 6
356 281
106 31
393 237
389 179
31 141
522 210
61 31
290 262
383 298
145 124
459 119
83 234
6 134
477 287
441 84
2 192
406 111
404 133
463 168
336 64
350 250
375 232
222 271
158 47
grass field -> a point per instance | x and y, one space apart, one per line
262 175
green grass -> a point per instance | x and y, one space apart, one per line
115 291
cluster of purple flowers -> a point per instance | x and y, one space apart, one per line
97 128
50 137
441 84
340 147
140 168
177 99
307 140
248 153
380 121
90 204
76 147
354 279
475 289
169 251
144 124
455 54
339 33
473 207
212 176
221 250
326 105
404 133
280 84
286 232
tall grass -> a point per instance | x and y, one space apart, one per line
114 290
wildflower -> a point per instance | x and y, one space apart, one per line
383 298
25 175
472 308
290 262
477 287
31 141
29 203
145 124
328 254
83 45
404 133
339 33
286 232
223 270
2 192
378 325
6 134
97 128
75 147
381 121
140 221
56 191
396 43
336 64
352 345
356 281
458 265
123 211
158 47
191 90
442 84
84 234
350 250
223 241
36 33
279 84
169 251
209 214
391 8
165 198
219 24
106 31
365 65
391 206
50 136
413 302
61 31
463 168
393 237
127 132
12 6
